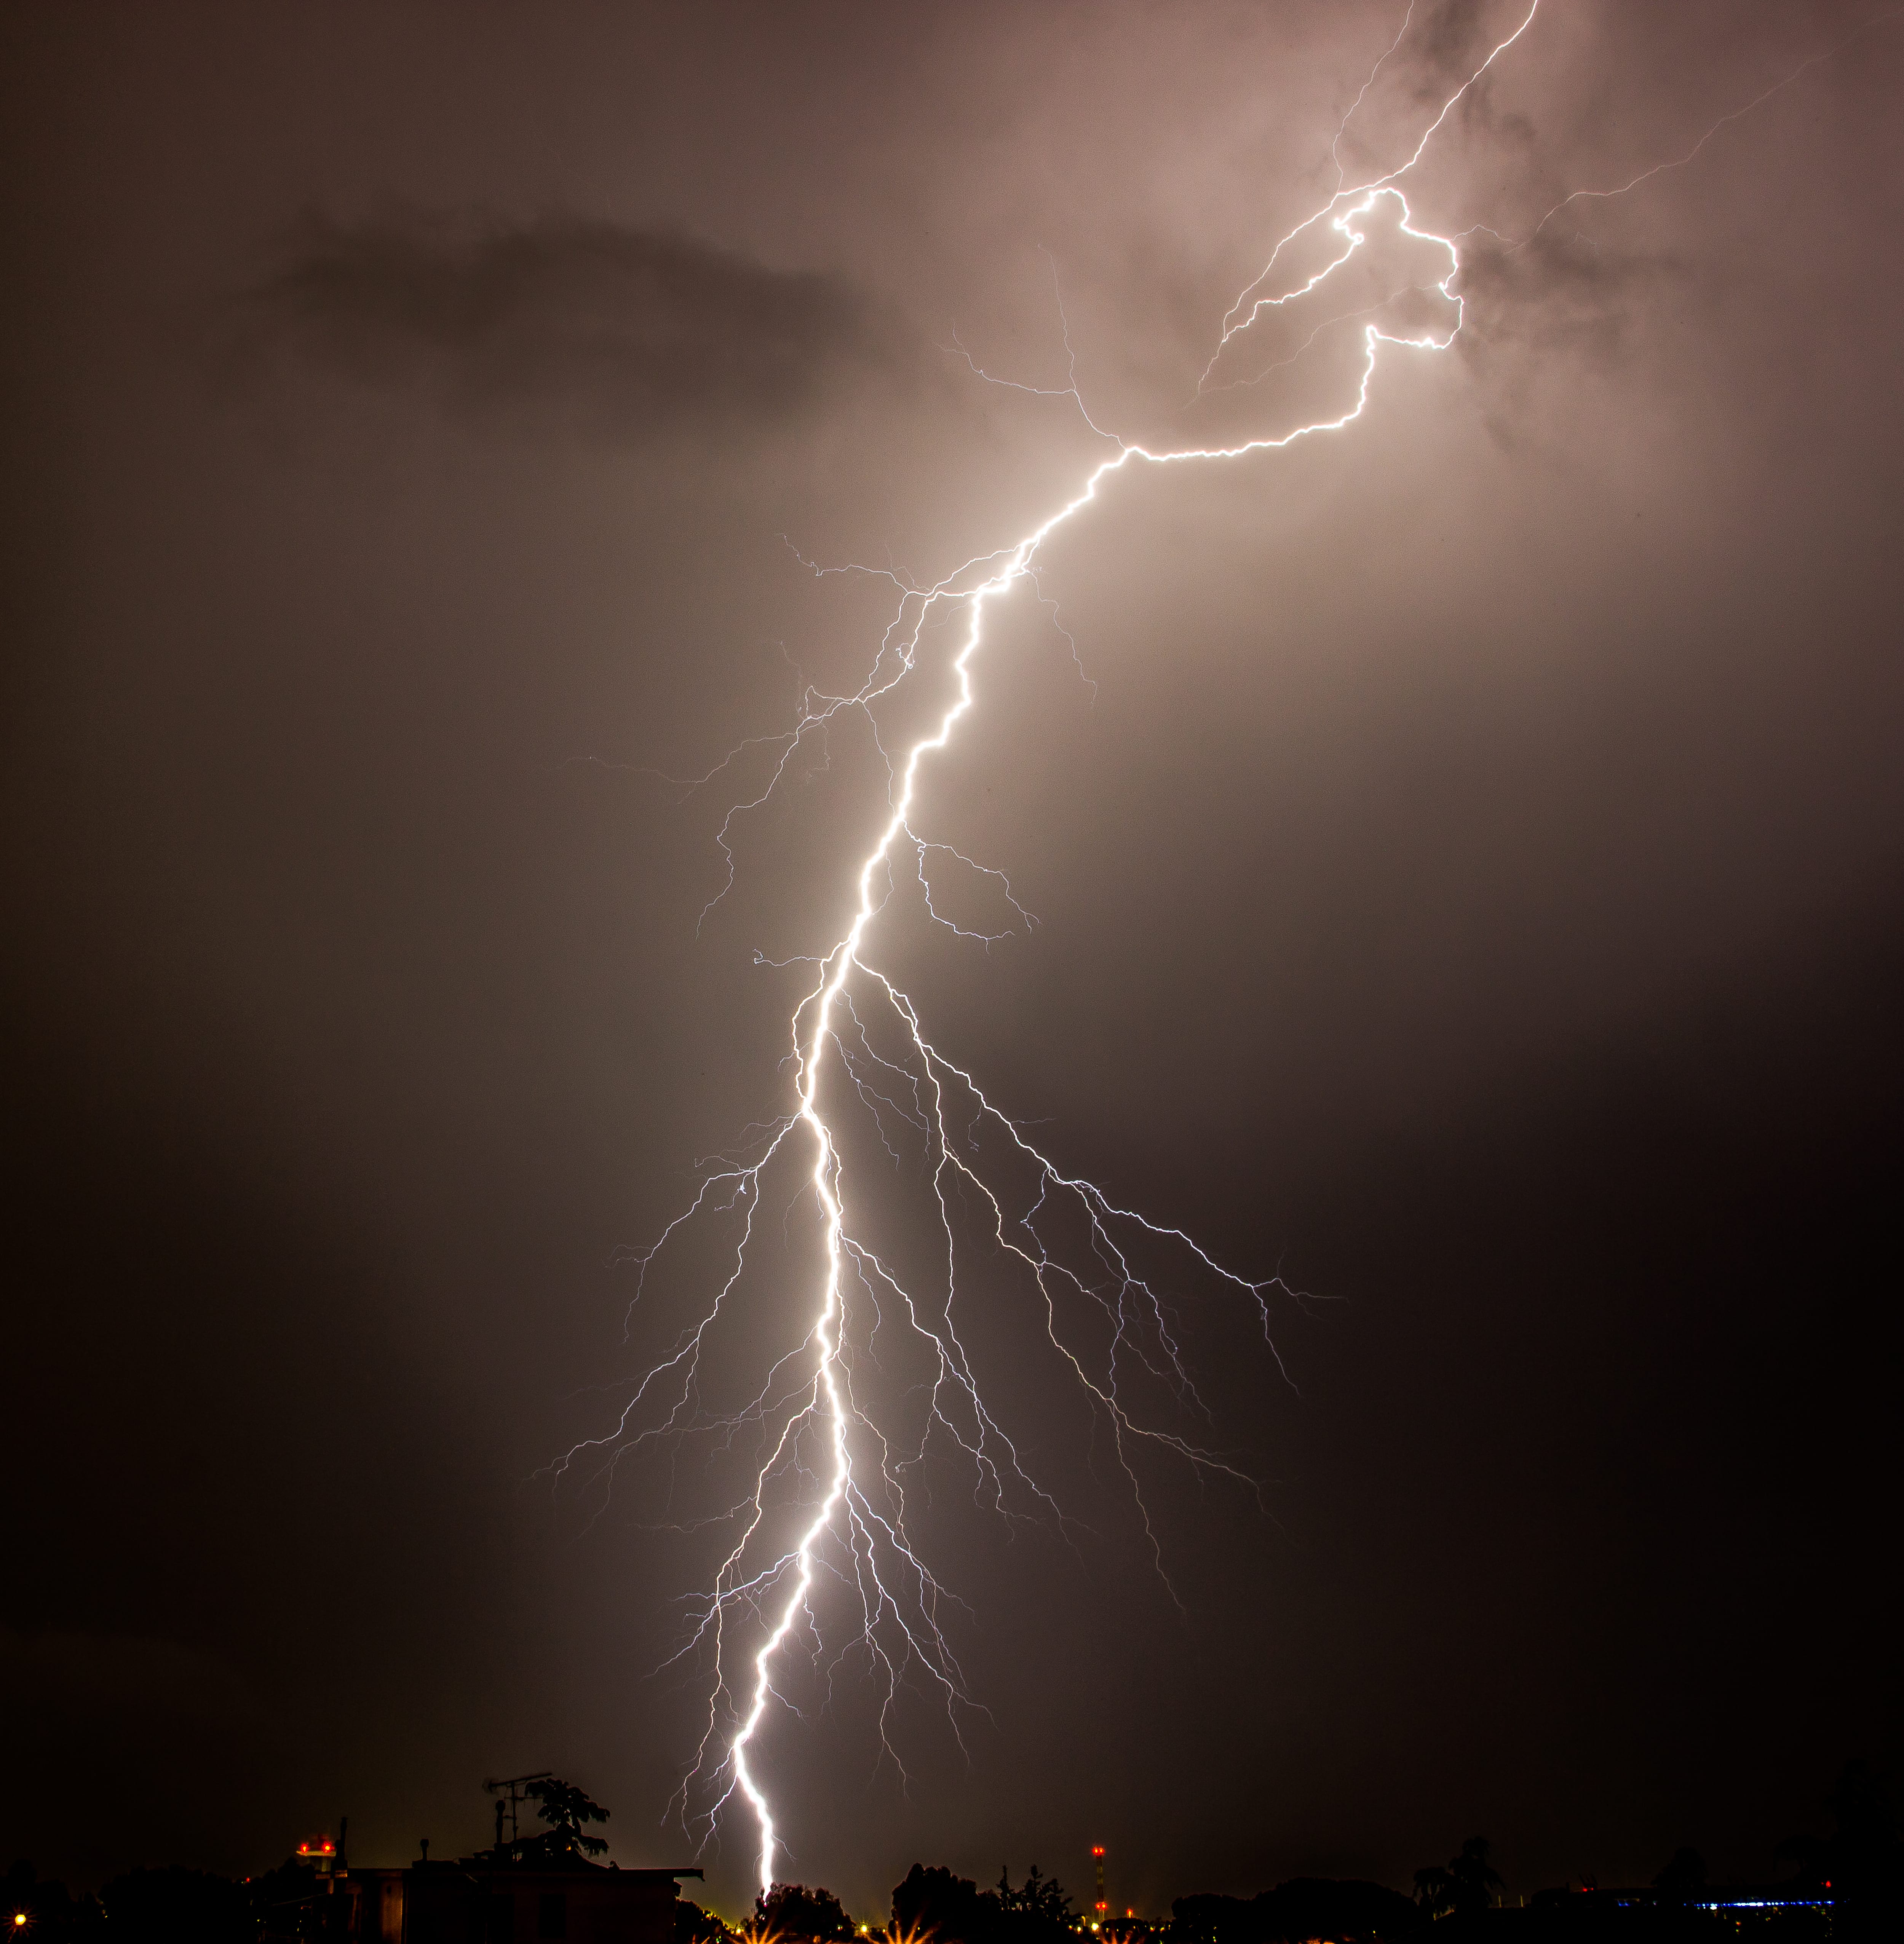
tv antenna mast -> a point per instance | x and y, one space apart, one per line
511 1804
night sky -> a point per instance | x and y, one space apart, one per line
1466 851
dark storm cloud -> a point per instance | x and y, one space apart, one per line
1558 291
617 330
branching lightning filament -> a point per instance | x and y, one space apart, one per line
829 1491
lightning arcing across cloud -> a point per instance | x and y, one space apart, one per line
1078 1250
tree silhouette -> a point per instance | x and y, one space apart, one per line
950 1909
791 1910
1036 1912
1468 1884
1475 1879
953 1909
1435 1890
566 1808
693 1925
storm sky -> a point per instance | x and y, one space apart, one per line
1466 853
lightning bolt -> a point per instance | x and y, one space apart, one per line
1758 101
856 1036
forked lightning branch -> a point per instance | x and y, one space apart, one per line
823 1560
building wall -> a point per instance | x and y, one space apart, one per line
453 1903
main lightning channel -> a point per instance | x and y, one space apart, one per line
816 1025
841 961
868 1513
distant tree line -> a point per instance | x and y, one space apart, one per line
931 1903
936 1903
1859 1867
176 1905
1304 1907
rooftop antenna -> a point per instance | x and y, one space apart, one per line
514 1785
